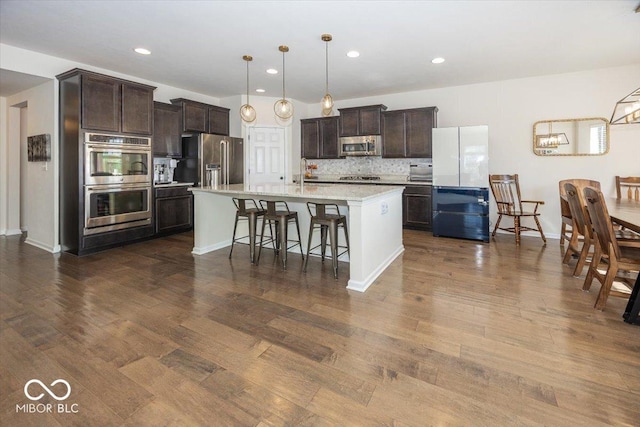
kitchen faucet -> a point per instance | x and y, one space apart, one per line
303 170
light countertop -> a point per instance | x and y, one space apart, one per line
384 180
309 191
174 184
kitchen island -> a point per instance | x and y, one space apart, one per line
374 215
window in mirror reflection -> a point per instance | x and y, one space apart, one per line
597 142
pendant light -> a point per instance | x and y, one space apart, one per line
247 112
282 107
627 110
327 100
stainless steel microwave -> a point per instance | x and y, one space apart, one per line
361 146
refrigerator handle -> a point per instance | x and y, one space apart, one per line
223 166
226 159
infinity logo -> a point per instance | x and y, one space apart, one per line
52 394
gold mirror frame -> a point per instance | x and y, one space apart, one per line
551 138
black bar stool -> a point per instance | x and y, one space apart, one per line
247 209
328 217
279 213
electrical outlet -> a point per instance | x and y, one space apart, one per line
384 208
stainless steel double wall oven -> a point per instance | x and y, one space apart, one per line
117 182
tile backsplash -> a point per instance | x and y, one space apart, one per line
364 165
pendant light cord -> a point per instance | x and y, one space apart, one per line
326 45
248 83
283 97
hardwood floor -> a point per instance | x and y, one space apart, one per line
453 333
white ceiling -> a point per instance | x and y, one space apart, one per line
198 45
12 82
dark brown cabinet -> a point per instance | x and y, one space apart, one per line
194 117
100 103
416 207
174 210
167 130
92 102
361 121
393 128
114 105
205 118
218 120
137 109
319 138
407 133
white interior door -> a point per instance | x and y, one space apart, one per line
266 155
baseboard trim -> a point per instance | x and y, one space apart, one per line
205 249
12 232
49 248
361 286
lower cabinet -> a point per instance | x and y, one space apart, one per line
174 210
416 207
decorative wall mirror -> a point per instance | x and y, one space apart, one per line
571 137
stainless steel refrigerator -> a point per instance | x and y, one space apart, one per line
203 150
461 182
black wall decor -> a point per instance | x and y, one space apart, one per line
39 148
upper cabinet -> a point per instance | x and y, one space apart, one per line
167 130
320 138
204 118
137 109
407 133
114 105
218 120
361 121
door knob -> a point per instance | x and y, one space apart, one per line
282 177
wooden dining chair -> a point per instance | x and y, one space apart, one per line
629 185
581 227
615 258
566 229
506 191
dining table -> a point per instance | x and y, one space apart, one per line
626 212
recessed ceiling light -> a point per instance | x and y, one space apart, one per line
142 51
272 71
437 60
260 90
353 54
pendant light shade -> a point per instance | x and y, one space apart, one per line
627 110
282 107
327 100
247 112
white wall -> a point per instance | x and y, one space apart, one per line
24 176
39 179
3 165
511 107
